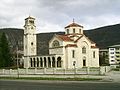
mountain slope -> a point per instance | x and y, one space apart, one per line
104 37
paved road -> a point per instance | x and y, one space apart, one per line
57 85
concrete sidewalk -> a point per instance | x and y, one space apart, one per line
113 76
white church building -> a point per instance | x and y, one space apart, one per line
71 50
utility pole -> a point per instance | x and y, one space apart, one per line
17 58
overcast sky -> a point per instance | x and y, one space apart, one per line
54 15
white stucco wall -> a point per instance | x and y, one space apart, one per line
67 53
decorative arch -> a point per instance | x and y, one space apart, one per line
49 62
84 61
55 43
53 61
59 62
34 62
37 62
41 62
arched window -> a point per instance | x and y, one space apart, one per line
67 31
37 62
31 62
45 64
84 61
34 62
79 30
73 30
49 62
59 62
41 62
53 61
56 43
84 50
93 54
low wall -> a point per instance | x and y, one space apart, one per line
54 71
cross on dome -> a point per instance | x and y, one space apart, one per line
73 20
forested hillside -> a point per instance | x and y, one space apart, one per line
103 36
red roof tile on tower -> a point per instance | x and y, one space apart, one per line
73 25
29 17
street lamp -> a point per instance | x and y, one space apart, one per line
17 54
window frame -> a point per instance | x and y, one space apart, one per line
94 54
55 43
73 30
83 50
73 53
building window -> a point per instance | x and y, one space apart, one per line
67 31
84 50
34 62
73 53
117 52
79 30
118 60
117 56
84 61
112 60
73 30
111 48
112 53
31 43
37 62
93 54
31 27
59 62
45 62
117 48
55 43
112 56
53 61
32 22
31 62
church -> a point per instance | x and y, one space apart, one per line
71 50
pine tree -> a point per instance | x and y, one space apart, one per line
5 56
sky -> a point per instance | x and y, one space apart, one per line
54 15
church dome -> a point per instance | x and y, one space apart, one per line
73 25
74 28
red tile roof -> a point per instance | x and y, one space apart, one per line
73 25
64 37
29 17
71 45
79 38
93 46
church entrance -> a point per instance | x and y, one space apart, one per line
84 61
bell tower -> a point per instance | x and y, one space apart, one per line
29 40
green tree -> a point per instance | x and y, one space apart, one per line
5 56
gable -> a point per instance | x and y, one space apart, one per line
85 38
54 40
